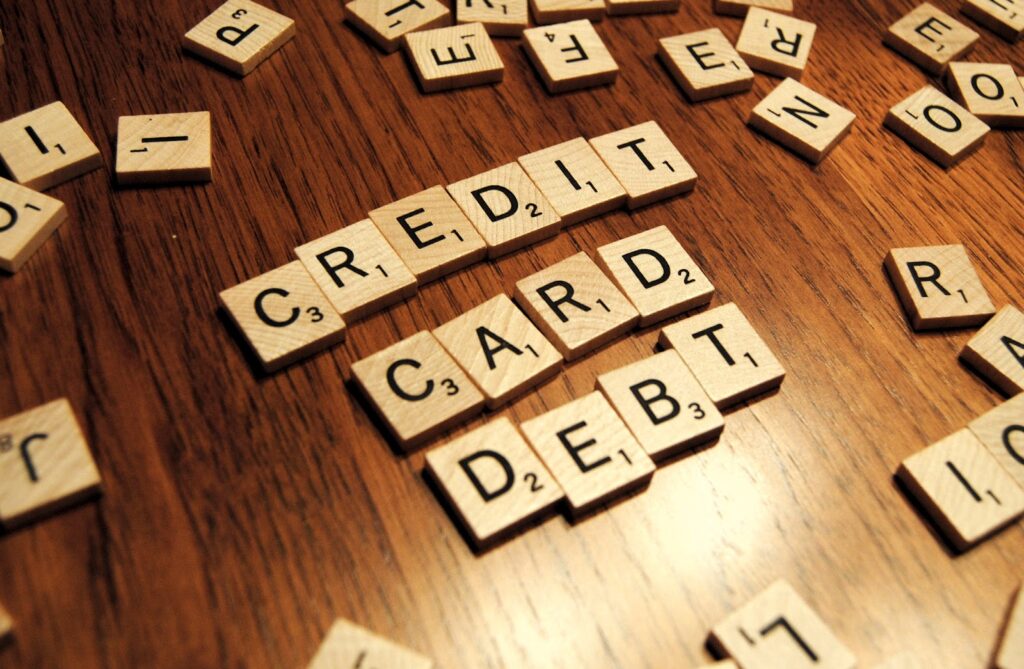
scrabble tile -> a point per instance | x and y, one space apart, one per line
930 38
163 148
901 661
46 147
239 35
501 18
349 646
726 355
570 56
646 163
997 350
724 664
938 287
45 464
575 305
740 7
430 233
546 12
774 43
6 623
663 405
454 57
500 349
417 388
656 273
506 208
589 451
357 270
384 22
777 628
575 180
990 91
1001 430
963 488
936 126
625 7
705 65
283 315
1003 17
493 480
803 121
1011 648
27 219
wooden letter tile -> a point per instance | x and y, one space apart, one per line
575 180
506 208
724 664
589 451
624 7
239 35
384 22
1003 17
930 38
430 233
357 270
501 18
705 65
936 126
164 148
775 43
1011 648
725 353
1001 430
576 305
963 488
807 123
45 464
646 163
997 350
741 7
656 273
284 315
663 405
570 56
500 349
27 219
417 388
779 629
546 12
901 661
990 91
46 147
454 57
493 480
938 287
349 646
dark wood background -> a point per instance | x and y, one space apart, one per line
241 514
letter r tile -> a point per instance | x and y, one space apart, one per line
938 287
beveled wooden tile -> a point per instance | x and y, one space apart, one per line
46 147
627 7
430 234
500 349
936 126
384 22
45 463
1003 17
239 35
1001 430
574 179
938 287
901 661
723 664
570 56
778 629
646 162
663 404
930 38
576 305
997 350
775 43
589 451
656 273
349 646
725 353
501 18
549 12
454 57
1011 646
164 148
705 64
27 219
417 388
493 480
357 270
740 7
990 91
802 120
962 488
283 315
506 208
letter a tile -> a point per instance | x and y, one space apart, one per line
1001 430
239 35
997 350
938 287
936 126
774 43
930 38
646 163
27 219
46 147
454 57
163 148
803 121
705 64
574 179
349 646
570 56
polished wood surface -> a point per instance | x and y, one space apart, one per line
242 513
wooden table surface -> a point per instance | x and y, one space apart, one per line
242 513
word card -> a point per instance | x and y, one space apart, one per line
774 43
705 65
501 18
239 35
1001 430
740 7
990 91
1003 17
570 56
1011 648
163 149
384 22
930 38
574 179
46 147
349 646
547 12
807 123
997 350
646 163
936 126
626 7
938 287
27 219
454 57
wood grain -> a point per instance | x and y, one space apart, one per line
242 514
